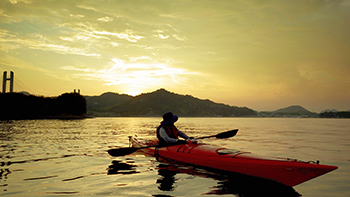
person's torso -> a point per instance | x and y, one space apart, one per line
170 130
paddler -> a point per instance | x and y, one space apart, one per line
167 133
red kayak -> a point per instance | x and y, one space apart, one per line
289 172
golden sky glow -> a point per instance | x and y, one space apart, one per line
261 54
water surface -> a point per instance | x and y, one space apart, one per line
55 157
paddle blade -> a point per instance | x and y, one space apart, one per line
227 134
122 151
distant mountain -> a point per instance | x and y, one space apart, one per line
161 101
329 110
105 100
291 111
338 114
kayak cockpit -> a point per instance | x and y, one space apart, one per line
225 151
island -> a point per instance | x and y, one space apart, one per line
25 106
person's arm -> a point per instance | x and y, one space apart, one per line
182 134
166 138
188 139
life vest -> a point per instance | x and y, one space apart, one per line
170 130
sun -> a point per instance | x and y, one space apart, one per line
133 77
133 91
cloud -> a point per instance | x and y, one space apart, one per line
8 60
77 15
105 19
160 35
139 75
127 35
135 59
345 3
18 1
11 61
62 49
39 42
73 68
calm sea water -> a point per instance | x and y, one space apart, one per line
60 157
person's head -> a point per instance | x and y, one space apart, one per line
169 118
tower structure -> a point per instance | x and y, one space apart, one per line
5 79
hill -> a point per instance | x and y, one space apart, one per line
161 101
105 100
291 111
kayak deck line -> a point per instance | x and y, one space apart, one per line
234 153
287 171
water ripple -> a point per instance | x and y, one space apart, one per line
37 178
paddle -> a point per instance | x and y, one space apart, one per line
223 135
128 150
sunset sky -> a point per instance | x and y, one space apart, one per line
264 55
